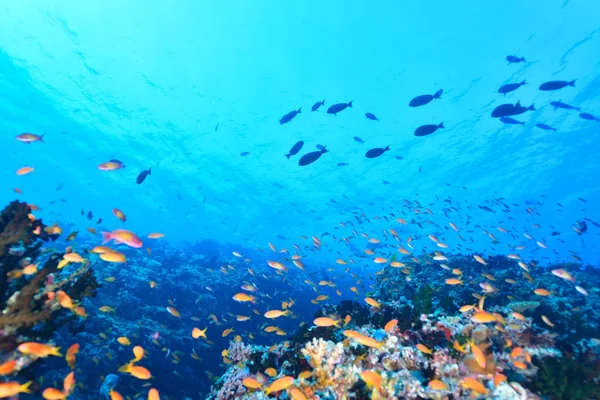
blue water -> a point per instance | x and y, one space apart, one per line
186 87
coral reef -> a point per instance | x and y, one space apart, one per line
29 310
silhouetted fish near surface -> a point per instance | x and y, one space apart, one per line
142 176
564 106
90 215
217 127
555 85
589 117
515 59
425 130
545 127
311 157
399 158
511 121
376 152
509 87
342 164
506 110
359 140
336 108
386 182
295 149
289 116
99 221
372 117
244 153
425 98
317 105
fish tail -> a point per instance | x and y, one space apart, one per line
324 150
323 102
524 83
56 352
299 110
531 108
441 125
288 156
106 237
24 388
42 138
572 83
150 171
386 148
350 104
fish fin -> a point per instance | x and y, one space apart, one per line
441 125
288 156
150 171
42 136
572 83
323 102
106 237
386 148
299 111
524 83
350 104
438 94
324 150
531 108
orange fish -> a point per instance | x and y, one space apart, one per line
119 214
280 384
390 325
8 367
70 355
153 394
25 170
39 349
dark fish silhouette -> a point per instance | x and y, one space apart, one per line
425 130
359 140
244 153
342 164
565 106
372 117
386 182
311 157
317 105
424 99
90 215
142 176
555 85
376 152
99 221
589 117
511 121
295 149
515 59
217 127
507 110
336 108
289 116
399 158
545 127
509 87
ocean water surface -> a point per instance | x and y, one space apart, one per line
320 200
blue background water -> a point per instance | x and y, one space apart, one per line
147 83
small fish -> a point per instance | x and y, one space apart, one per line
289 116
244 153
507 110
372 117
295 149
339 107
545 127
111 165
425 99
376 152
511 121
217 126
510 87
142 176
359 140
425 130
342 164
515 59
311 157
30 138
565 106
399 157
317 105
589 117
555 85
